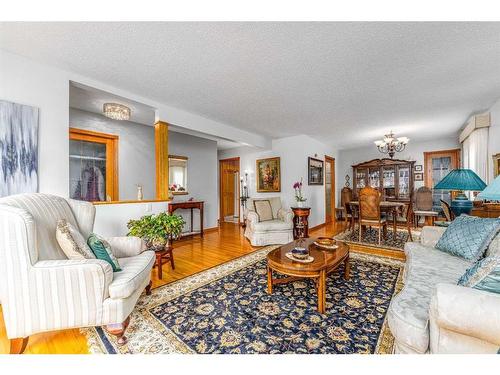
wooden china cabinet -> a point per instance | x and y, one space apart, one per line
392 177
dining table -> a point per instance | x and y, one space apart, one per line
392 207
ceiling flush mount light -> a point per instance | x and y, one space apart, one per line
116 111
390 144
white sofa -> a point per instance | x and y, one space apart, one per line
41 290
271 232
432 314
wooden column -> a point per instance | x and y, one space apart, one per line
161 156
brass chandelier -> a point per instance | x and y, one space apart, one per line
390 144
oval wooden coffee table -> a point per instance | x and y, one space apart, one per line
325 262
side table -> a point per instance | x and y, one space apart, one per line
301 222
166 255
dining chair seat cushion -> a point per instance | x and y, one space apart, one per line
425 213
383 220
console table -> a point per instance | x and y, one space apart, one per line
189 205
301 222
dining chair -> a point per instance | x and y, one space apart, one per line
350 214
369 212
449 215
423 205
406 219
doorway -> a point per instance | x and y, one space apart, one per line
329 189
229 188
438 164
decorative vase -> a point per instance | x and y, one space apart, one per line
140 194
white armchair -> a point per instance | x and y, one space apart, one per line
41 290
277 231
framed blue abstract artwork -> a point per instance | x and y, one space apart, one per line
18 149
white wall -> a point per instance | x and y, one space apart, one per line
25 82
293 152
136 151
494 136
201 175
111 219
414 151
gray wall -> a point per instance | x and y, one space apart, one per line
414 151
201 175
136 151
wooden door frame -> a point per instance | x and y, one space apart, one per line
237 158
455 153
332 202
111 142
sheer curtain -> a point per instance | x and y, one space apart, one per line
475 152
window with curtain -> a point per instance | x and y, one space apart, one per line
475 152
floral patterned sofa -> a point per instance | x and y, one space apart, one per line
432 314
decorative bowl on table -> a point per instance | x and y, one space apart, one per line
300 253
326 243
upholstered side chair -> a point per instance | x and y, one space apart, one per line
369 212
274 229
41 290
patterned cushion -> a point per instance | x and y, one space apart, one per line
468 236
494 248
102 250
263 209
72 242
483 275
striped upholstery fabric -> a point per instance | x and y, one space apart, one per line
40 289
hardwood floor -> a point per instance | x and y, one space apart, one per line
191 255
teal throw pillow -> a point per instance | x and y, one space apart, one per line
102 250
468 236
483 275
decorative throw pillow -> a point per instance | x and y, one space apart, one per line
72 242
468 236
263 209
102 250
483 275
494 247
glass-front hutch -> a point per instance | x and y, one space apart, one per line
392 177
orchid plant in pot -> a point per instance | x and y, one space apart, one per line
297 186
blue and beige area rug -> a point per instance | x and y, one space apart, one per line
370 238
226 309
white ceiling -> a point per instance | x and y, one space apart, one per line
343 83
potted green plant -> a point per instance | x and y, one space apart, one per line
157 230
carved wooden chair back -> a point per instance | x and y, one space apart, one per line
345 198
447 210
369 204
423 199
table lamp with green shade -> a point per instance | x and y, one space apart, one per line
461 180
492 191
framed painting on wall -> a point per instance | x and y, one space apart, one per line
419 176
315 171
268 175
18 148
496 165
